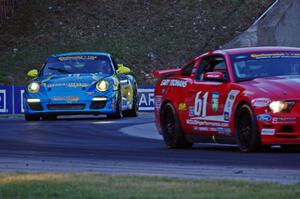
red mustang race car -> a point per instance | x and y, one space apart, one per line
246 96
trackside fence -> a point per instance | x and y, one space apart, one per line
11 99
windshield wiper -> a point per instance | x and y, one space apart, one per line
59 70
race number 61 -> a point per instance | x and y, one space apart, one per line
200 104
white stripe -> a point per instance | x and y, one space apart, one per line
146 90
146 108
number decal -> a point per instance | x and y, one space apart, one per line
200 104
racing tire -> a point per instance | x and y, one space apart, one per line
49 117
31 117
118 114
172 131
246 130
135 107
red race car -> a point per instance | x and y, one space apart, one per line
244 96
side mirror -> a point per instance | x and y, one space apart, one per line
32 73
123 69
214 76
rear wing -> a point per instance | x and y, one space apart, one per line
165 73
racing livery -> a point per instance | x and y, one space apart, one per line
80 83
245 96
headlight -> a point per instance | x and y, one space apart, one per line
33 87
102 86
280 106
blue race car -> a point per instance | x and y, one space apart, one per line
80 83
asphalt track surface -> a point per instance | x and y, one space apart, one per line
100 145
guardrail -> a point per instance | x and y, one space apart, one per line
11 99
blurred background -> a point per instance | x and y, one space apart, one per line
142 34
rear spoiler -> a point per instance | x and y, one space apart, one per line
164 73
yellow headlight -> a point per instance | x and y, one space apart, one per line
33 87
102 86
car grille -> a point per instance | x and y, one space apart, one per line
98 105
66 106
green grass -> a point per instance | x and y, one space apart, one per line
106 186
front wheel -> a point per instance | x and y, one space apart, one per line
171 128
118 114
133 112
246 130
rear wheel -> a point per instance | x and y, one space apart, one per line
246 130
31 117
171 128
133 112
118 114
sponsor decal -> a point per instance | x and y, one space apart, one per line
284 120
220 131
73 85
182 107
77 57
264 117
191 111
174 83
157 101
72 99
260 102
267 131
229 103
58 98
206 123
227 131
274 55
226 116
215 101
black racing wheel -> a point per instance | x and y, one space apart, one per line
171 128
246 130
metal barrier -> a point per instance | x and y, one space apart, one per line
11 99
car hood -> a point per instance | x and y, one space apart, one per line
281 87
71 81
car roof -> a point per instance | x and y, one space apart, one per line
81 54
256 49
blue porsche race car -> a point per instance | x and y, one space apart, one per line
80 83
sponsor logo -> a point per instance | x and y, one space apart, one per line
215 101
206 123
182 107
260 102
284 120
226 116
157 101
191 111
264 117
174 83
267 131
72 85
72 99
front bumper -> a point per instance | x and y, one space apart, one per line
281 129
95 104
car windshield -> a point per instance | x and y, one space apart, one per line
265 64
78 64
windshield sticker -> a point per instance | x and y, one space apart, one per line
77 57
274 55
